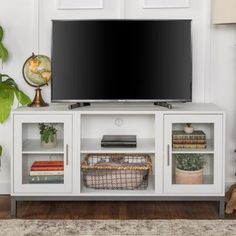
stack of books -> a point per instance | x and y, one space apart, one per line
195 140
43 172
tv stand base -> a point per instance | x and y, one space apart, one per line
163 104
15 199
78 104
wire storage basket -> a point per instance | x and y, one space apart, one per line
116 171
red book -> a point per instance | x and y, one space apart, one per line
44 168
48 164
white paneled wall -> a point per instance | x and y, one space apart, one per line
79 4
223 87
165 4
28 29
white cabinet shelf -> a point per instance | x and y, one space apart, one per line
208 150
33 146
94 146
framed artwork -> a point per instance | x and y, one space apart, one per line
166 3
79 4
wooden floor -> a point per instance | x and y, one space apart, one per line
111 210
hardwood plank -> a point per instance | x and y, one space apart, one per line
112 210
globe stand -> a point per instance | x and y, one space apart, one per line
38 100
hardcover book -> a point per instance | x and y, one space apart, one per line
47 163
46 179
189 146
181 135
179 141
44 168
35 173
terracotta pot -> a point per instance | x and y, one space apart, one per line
50 144
188 177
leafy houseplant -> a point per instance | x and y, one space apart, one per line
8 87
48 135
189 168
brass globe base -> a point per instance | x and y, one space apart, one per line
38 100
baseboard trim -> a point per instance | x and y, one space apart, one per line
5 187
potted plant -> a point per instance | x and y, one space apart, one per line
188 128
8 87
189 168
48 135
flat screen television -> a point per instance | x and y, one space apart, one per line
121 60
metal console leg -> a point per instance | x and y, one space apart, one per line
222 208
13 207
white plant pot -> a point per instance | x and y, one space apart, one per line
50 144
188 177
188 130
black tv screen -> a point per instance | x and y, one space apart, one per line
136 60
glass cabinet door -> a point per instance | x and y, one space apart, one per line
42 153
193 159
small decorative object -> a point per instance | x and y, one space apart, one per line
189 168
37 73
48 135
188 128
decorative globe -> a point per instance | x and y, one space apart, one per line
37 73
37 70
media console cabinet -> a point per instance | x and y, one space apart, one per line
80 132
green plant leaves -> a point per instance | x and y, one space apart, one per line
47 132
8 87
1 33
6 101
0 150
190 162
8 90
22 97
3 52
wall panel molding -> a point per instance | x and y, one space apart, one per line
36 25
79 4
166 4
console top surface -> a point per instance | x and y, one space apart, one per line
124 108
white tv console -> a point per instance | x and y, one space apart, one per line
80 132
